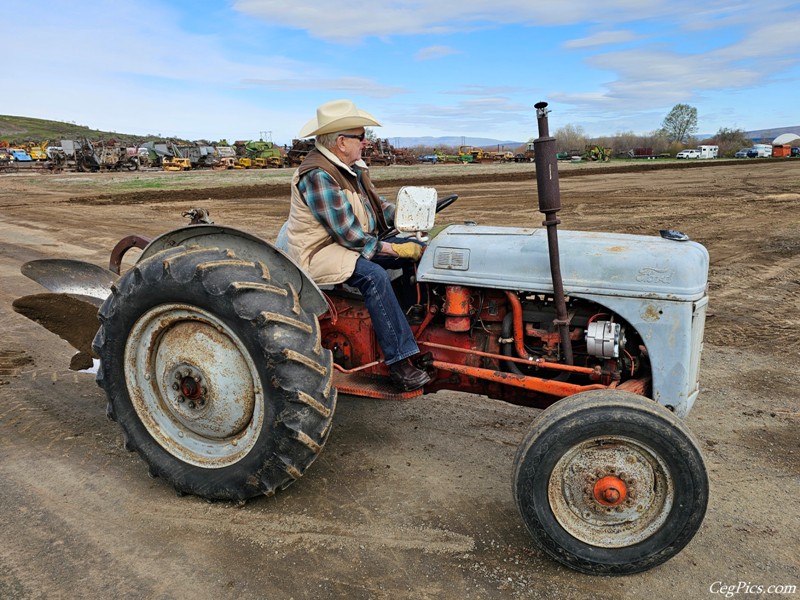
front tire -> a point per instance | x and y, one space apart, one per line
215 373
609 482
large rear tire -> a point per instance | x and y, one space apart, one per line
215 373
609 482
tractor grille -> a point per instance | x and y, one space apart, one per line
456 259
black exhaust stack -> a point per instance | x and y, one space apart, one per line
549 205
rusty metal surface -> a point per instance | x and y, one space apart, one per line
549 204
642 502
360 385
194 385
125 244
558 389
636 386
538 362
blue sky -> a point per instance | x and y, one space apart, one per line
234 69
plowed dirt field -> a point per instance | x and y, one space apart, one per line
407 500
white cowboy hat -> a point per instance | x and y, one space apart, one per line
337 115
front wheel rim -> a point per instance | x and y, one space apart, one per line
611 491
194 385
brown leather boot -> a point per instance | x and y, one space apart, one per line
407 377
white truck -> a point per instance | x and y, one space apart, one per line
762 150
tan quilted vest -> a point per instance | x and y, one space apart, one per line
317 253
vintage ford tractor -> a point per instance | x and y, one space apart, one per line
222 360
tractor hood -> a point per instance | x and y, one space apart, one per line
609 264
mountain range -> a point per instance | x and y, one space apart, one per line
28 128
757 135
453 141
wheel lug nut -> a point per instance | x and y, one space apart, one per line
191 404
197 378
175 386
181 398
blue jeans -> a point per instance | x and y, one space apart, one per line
388 320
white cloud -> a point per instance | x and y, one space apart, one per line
487 115
119 66
485 90
349 22
351 85
432 52
603 38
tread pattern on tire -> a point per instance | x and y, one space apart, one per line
284 342
606 409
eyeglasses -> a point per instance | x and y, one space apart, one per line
354 136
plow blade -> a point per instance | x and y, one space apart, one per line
72 317
65 276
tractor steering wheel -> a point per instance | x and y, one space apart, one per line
443 203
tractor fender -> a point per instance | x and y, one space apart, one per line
247 246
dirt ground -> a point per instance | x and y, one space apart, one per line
407 500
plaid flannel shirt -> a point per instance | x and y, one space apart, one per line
329 205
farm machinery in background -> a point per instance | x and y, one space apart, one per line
221 361
182 157
376 152
590 152
597 153
37 151
642 152
90 157
381 152
529 155
298 151
79 155
258 154
170 156
475 155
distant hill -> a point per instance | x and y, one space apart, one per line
767 135
452 140
25 129
28 129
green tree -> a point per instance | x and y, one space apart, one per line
680 123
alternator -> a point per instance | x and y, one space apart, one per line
602 339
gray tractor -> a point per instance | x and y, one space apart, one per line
222 361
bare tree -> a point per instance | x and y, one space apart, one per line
570 138
730 140
680 123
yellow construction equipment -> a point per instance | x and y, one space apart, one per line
37 151
176 164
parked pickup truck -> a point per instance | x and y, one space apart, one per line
690 153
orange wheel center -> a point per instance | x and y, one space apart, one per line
610 491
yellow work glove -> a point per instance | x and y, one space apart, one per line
408 250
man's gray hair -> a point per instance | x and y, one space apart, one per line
328 140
